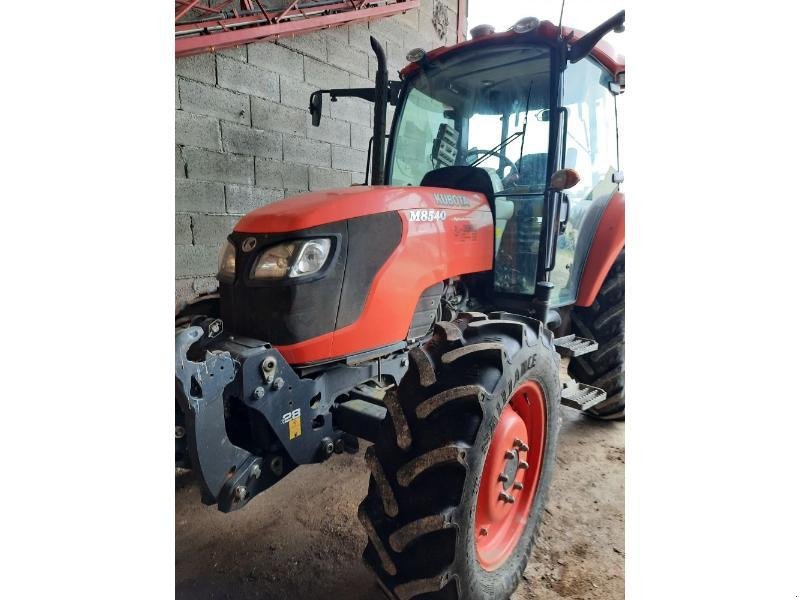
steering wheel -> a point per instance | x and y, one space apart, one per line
473 154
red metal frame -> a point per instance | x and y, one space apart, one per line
251 22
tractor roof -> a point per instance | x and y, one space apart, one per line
602 52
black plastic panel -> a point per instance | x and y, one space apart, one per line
371 240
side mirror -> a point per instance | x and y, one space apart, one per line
564 179
315 108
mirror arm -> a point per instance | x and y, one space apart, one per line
583 46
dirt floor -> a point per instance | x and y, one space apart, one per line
301 539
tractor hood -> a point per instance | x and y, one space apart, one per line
319 208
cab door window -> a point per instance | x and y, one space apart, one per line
590 149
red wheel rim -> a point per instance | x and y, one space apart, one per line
507 487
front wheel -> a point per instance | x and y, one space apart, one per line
463 461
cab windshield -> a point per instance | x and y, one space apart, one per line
460 109
470 109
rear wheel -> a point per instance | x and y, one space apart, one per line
604 321
463 461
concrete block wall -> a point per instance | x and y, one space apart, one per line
243 134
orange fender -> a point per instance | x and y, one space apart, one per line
609 240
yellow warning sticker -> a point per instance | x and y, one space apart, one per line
294 428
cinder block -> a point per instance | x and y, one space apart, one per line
183 229
293 193
346 57
387 29
337 34
325 179
241 199
414 39
359 37
410 19
357 179
298 94
199 196
276 117
329 130
184 291
212 229
191 261
239 139
215 166
359 136
347 159
354 110
359 82
202 99
323 75
200 67
281 175
180 164
205 285
309 44
238 53
305 151
276 59
196 130
247 78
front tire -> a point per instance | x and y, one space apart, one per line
480 399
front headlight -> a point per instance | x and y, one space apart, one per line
292 259
227 262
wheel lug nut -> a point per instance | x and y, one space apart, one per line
509 454
483 531
506 497
523 465
503 478
517 485
521 445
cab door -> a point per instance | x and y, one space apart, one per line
591 148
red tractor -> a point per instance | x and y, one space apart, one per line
427 312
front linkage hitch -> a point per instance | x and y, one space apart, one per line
244 389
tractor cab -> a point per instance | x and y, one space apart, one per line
501 114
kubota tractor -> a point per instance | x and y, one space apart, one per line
426 312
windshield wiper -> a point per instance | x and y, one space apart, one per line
497 148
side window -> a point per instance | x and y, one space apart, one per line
591 149
422 116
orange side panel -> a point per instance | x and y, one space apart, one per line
606 246
438 242
318 208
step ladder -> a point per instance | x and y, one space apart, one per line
581 396
571 346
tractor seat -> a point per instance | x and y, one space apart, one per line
480 180
469 179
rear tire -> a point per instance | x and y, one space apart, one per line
427 465
604 321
